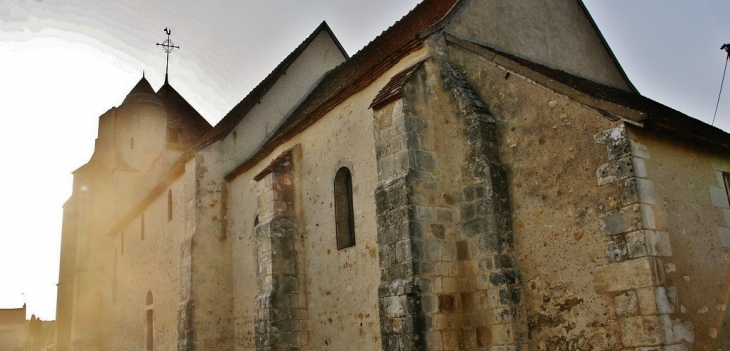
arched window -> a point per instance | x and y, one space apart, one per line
169 205
149 330
344 217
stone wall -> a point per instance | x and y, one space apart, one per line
340 285
635 274
152 264
680 185
448 280
545 142
556 33
280 306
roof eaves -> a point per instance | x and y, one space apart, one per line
630 106
445 21
350 77
393 90
560 81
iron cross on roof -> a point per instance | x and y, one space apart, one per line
168 46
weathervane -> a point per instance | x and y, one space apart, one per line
168 46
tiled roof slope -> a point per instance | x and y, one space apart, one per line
358 72
392 90
372 61
659 116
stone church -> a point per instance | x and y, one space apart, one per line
481 176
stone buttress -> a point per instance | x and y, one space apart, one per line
646 308
280 305
448 279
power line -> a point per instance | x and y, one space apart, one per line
725 47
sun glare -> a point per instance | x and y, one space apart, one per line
53 90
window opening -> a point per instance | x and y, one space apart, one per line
115 277
344 218
726 180
169 205
141 227
150 322
122 243
131 143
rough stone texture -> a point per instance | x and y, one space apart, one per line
444 222
400 235
280 320
639 273
487 217
550 160
688 212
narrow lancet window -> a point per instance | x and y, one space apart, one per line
150 330
141 227
115 276
344 216
169 205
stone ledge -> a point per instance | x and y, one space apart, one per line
627 275
646 331
648 243
627 219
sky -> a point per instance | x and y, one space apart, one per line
64 63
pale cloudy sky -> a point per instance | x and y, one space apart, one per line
64 63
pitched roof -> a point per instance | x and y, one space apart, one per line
232 118
392 90
142 87
179 108
371 62
337 85
182 115
345 80
657 116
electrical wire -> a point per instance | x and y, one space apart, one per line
721 84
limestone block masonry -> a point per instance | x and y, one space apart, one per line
447 275
280 317
635 277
